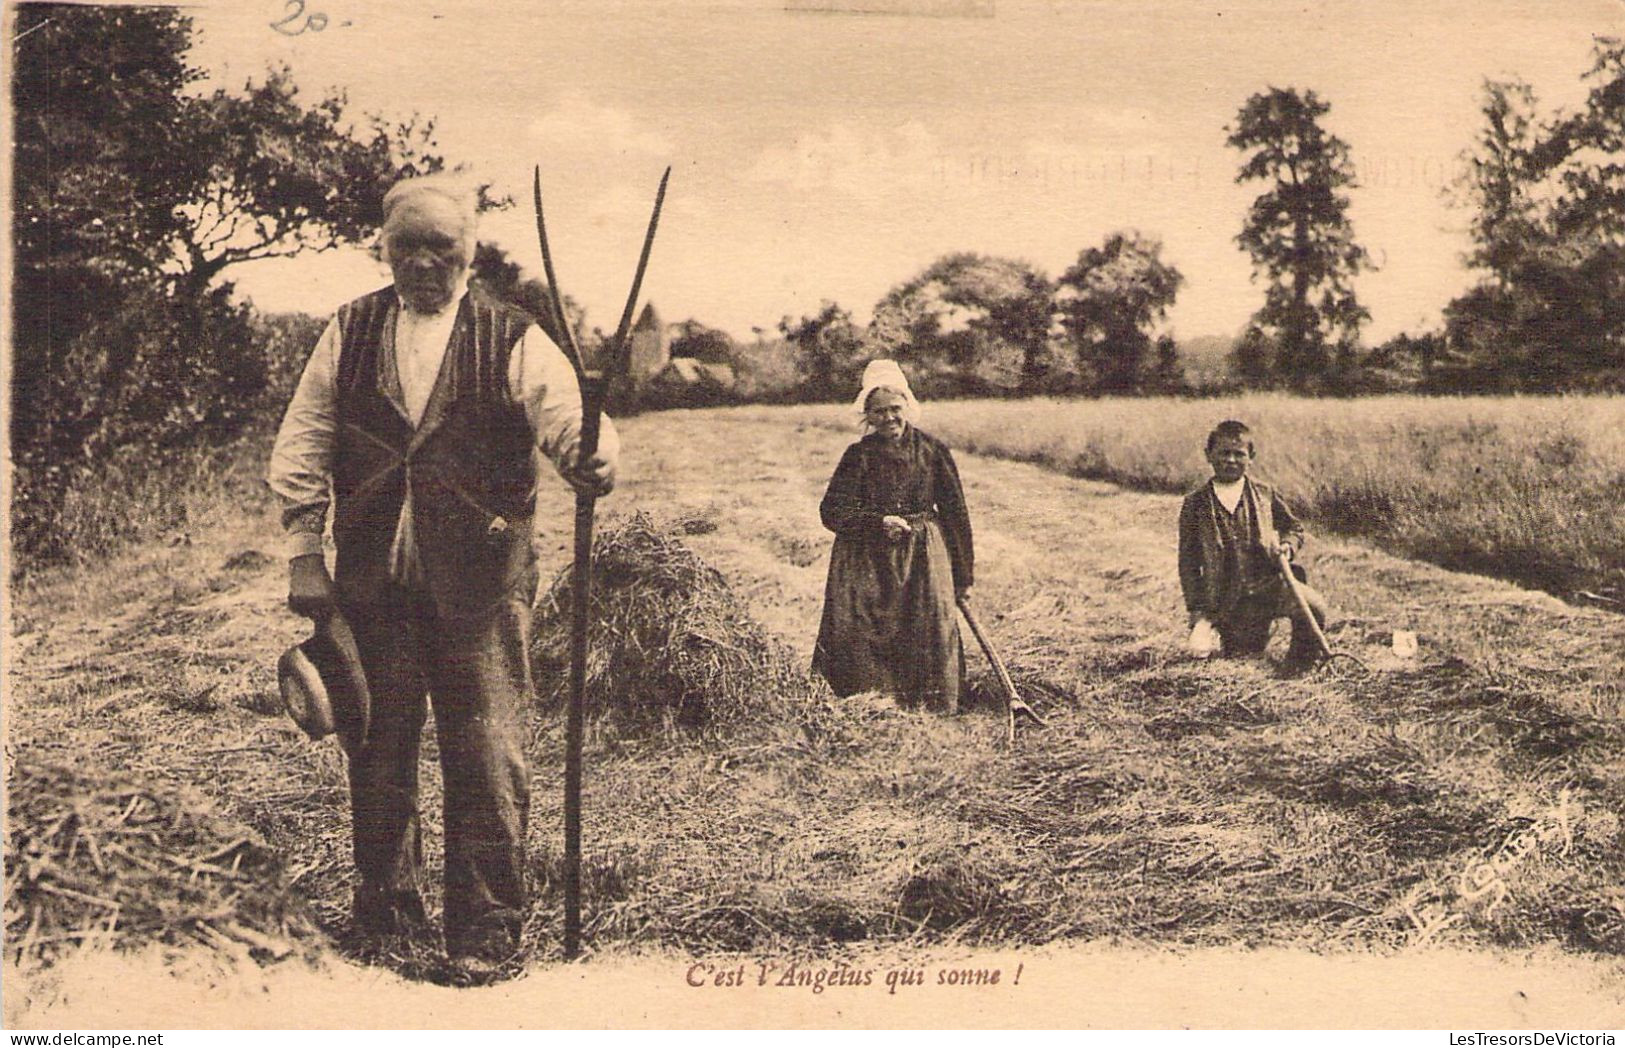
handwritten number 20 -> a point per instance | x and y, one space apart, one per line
315 23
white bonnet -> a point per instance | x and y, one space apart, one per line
886 374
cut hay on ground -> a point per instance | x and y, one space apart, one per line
97 861
668 638
1168 801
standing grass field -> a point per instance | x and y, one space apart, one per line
1524 488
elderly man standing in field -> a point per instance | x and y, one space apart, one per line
424 410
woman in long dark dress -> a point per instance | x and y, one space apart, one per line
902 556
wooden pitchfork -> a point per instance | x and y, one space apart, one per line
1013 705
594 384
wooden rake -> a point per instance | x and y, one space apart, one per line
594 384
1013 705
1284 563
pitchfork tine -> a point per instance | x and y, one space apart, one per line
625 325
569 338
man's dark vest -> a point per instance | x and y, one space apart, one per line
468 462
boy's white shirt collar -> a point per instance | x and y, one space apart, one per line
1229 495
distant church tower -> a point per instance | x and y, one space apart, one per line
651 348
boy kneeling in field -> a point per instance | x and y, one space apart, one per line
1232 533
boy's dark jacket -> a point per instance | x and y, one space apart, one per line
1201 550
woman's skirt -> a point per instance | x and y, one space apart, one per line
890 622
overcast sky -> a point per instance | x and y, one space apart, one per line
829 155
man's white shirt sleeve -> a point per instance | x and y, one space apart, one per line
302 457
540 377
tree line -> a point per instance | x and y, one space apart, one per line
1545 193
136 196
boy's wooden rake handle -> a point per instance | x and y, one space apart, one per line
1013 703
1285 564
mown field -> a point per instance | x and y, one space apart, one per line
1524 488
1469 797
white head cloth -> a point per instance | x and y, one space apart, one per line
885 374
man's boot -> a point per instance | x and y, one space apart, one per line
383 912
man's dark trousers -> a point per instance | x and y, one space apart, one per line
475 674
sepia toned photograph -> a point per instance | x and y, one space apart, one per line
826 514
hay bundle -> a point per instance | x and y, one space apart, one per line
91 860
668 639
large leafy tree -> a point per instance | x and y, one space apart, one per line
1547 197
1488 326
1590 210
1298 231
830 351
1497 176
1110 300
280 177
1586 147
970 323
133 195
100 156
